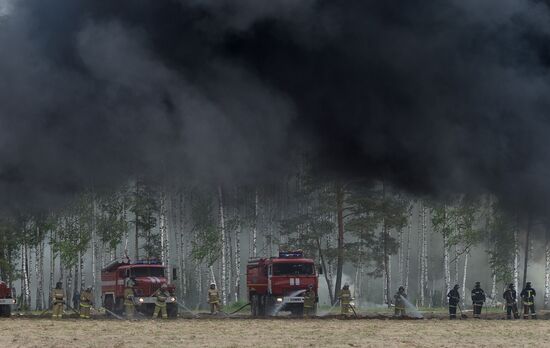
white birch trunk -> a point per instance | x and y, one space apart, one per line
224 246
408 253
255 227
237 263
516 258
457 263
446 270
26 279
546 271
94 253
401 259
52 267
494 290
464 275
183 252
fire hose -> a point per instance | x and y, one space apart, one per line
240 308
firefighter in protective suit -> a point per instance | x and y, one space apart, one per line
309 301
528 298
454 299
400 297
162 295
214 299
129 306
345 300
86 303
511 302
478 299
58 300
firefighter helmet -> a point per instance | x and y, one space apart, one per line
401 288
511 286
456 286
58 285
528 284
212 285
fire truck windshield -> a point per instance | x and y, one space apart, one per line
147 272
280 269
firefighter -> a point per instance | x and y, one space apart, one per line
162 295
400 297
58 300
478 299
454 299
214 299
528 298
511 302
309 301
129 306
345 300
86 302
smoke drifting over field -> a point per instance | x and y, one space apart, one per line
434 96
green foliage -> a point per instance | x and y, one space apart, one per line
111 220
500 228
144 205
207 243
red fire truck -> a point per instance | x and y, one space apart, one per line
278 283
6 300
148 277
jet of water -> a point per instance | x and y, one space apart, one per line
280 305
325 313
187 309
412 311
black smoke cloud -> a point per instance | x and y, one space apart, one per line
434 96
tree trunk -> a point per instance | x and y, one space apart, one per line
52 265
422 237
408 253
340 196
26 291
494 290
425 254
181 247
516 254
547 268
255 225
224 246
327 275
527 247
464 275
136 232
446 268
401 259
457 263
237 262
162 229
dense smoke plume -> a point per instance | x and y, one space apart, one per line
434 96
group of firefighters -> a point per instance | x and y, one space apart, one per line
527 296
310 299
161 296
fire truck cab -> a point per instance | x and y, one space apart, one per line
148 276
278 283
6 300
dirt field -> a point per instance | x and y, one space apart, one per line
272 333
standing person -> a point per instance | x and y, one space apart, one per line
400 297
528 298
214 299
129 306
309 301
511 302
58 300
454 299
162 295
86 302
345 300
76 300
478 299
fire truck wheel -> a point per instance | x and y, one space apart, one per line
254 305
109 304
172 310
5 311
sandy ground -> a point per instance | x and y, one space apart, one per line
273 333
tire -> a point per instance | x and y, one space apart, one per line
5 311
254 305
172 310
109 304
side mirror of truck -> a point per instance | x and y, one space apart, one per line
174 273
320 269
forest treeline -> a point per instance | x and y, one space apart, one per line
364 232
